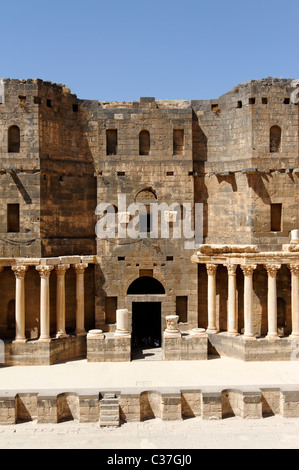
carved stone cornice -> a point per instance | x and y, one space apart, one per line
44 271
19 271
211 269
248 269
272 269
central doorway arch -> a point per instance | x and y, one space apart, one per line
146 317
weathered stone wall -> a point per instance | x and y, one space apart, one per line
68 185
19 170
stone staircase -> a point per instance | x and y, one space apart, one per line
109 410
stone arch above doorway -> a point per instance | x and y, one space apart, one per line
145 285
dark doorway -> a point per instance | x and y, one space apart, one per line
146 329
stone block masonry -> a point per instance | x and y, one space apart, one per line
110 408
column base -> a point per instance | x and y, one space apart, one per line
273 337
44 340
20 340
61 335
212 331
172 334
294 336
122 334
232 333
250 337
198 332
81 333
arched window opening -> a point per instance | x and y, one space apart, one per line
275 139
13 139
144 143
145 285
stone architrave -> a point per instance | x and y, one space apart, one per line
172 330
60 300
122 323
248 291
232 329
294 268
272 301
20 272
44 272
211 270
80 269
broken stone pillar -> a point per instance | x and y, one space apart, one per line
122 322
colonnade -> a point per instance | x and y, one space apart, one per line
248 270
44 272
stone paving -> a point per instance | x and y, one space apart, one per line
232 433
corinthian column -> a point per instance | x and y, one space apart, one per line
80 268
272 301
44 272
211 269
294 268
60 300
248 290
232 300
20 272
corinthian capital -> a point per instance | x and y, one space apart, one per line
80 267
248 269
19 271
294 268
61 268
211 269
231 268
272 269
44 271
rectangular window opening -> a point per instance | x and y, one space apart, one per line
75 108
239 105
37 100
286 101
182 308
49 103
13 218
110 310
169 258
111 141
264 100
178 142
251 100
121 258
276 217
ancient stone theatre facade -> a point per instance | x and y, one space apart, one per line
66 293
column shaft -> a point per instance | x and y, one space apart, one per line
248 291
294 268
272 301
60 300
20 272
80 268
232 300
211 269
44 272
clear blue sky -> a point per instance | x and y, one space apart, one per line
124 49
